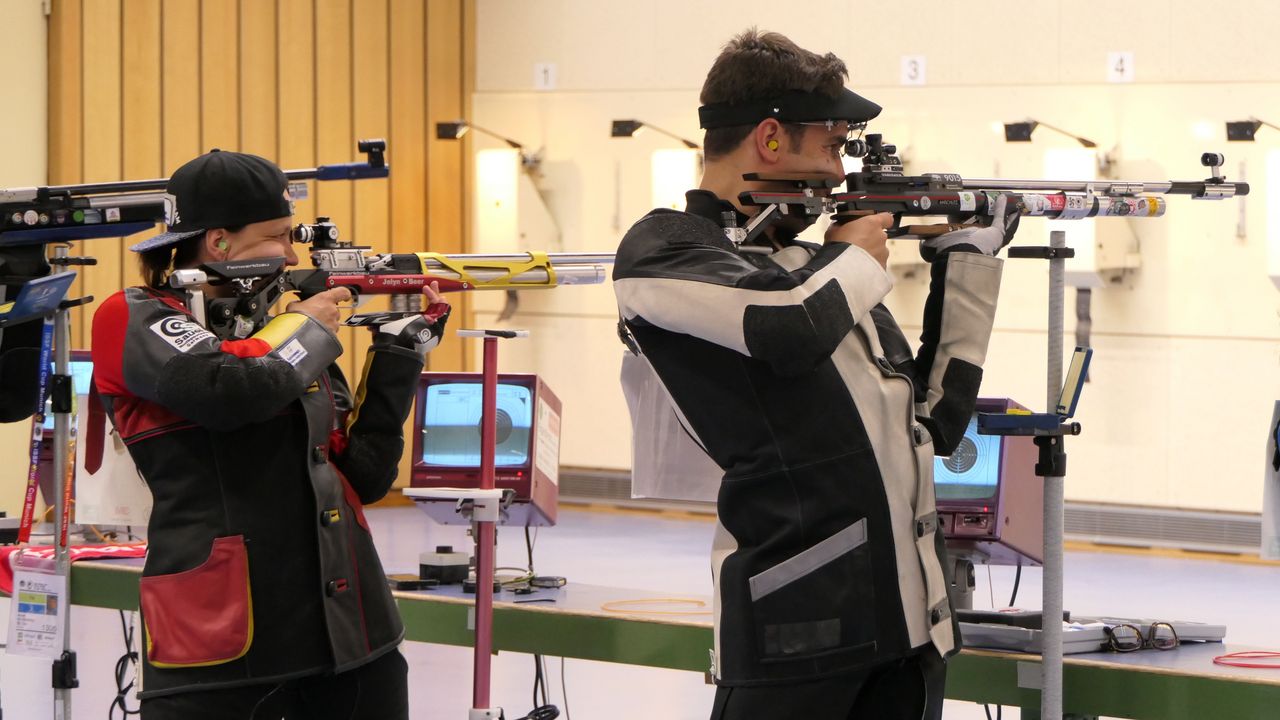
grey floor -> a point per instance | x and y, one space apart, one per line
663 553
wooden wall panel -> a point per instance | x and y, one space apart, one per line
296 92
65 83
408 123
219 75
66 103
180 81
257 99
101 160
296 97
139 87
445 189
334 141
370 68
141 107
408 154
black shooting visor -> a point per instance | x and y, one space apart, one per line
794 106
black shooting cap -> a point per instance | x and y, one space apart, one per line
221 189
792 106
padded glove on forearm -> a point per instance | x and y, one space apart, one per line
420 333
988 240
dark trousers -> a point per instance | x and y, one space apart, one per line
376 691
909 689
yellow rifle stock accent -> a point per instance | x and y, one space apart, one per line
511 270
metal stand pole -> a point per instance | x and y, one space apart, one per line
486 514
484 532
64 673
1051 632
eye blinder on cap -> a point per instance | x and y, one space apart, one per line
794 106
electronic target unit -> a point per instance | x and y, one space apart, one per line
446 444
990 502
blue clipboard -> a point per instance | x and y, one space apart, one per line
36 299
1043 423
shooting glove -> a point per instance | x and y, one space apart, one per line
420 333
988 239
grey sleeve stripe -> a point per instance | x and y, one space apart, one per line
793 569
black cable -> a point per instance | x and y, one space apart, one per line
564 691
1017 578
537 679
546 712
542 710
528 544
122 668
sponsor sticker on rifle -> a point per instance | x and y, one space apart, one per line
293 352
967 201
182 333
1076 208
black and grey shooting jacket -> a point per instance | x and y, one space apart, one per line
795 379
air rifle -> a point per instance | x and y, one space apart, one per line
882 186
56 213
257 284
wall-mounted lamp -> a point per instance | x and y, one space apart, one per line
1244 130
456 129
628 128
1021 132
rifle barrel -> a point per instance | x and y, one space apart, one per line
555 258
573 274
1121 187
135 186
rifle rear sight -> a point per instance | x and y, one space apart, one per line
876 156
321 235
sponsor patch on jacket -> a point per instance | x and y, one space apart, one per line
292 352
182 333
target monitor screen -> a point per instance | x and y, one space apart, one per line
451 424
973 470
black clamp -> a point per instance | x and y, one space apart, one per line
1047 429
64 671
624 334
73 260
76 302
61 393
1053 456
1042 253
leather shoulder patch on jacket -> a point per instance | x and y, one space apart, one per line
798 337
642 251
950 415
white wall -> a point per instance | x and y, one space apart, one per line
1185 370
23 162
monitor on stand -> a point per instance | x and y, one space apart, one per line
446 444
990 502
